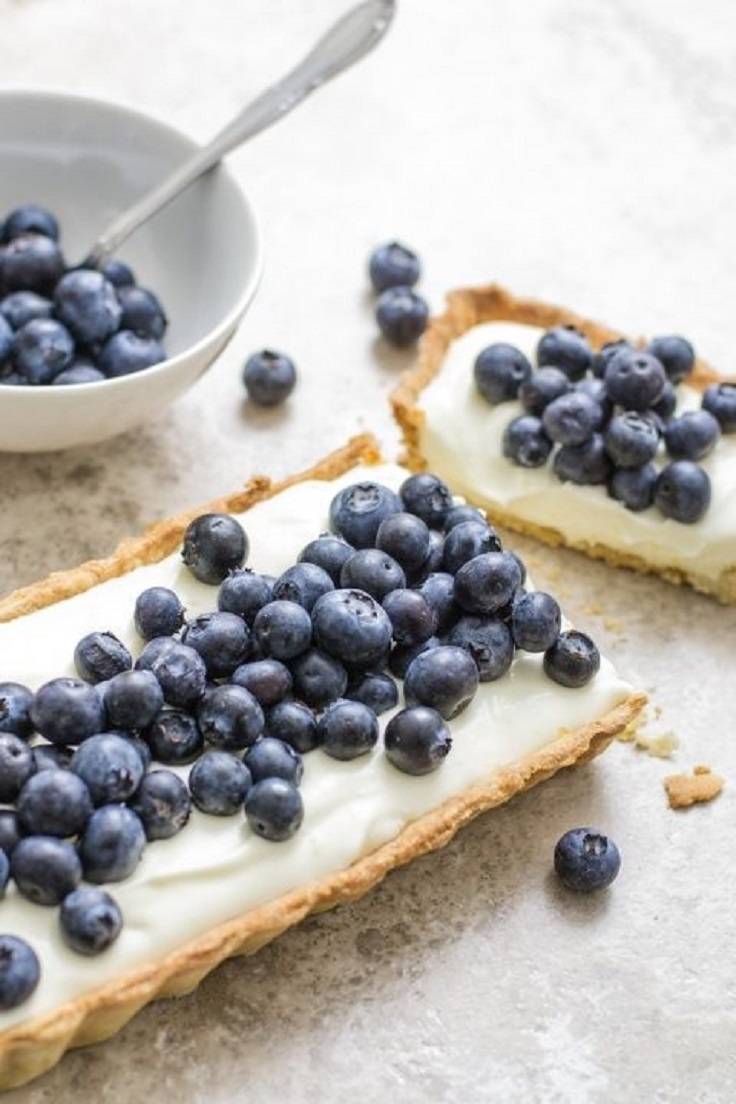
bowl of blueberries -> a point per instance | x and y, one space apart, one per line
89 352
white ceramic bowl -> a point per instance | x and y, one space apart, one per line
86 160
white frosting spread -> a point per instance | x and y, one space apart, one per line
461 440
216 868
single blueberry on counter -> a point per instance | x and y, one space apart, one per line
20 971
214 545
269 377
417 740
218 783
402 315
393 265
499 371
274 809
586 859
90 920
572 660
45 869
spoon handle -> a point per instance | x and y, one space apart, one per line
348 40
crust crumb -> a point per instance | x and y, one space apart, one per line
654 740
684 790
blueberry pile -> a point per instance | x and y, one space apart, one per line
405 586
609 418
62 325
401 313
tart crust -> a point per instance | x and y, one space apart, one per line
30 1049
470 307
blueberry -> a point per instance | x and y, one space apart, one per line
417 740
328 552
110 767
138 745
487 582
439 591
464 512
542 387
347 729
99 656
402 655
466 541
221 639
45 869
9 830
88 306
499 371
6 347
53 802
675 354
132 699
127 352
572 660
141 311
181 673
163 804
351 625
230 717
293 722
244 592
41 349
5 870
15 709
218 783
269 377
31 218
406 538
585 859
444 678
22 306
719 399
77 373
90 920
152 651
433 561
526 442
112 844
174 737
631 439
118 273
282 629
19 971
319 678
427 496
270 757
402 315
52 756
565 348
31 262
372 571
67 711
214 545
268 680
535 621
488 641
634 379
666 404
634 487
586 464
692 436
393 265
682 491
572 419
606 353
303 583
158 612
412 618
596 389
357 511
376 689
274 809
16 766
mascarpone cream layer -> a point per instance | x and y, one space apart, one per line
461 441
216 868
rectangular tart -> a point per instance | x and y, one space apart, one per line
517 732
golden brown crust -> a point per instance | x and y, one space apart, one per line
32 1048
469 307
684 790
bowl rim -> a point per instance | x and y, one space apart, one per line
219 334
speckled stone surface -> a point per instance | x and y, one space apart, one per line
581 152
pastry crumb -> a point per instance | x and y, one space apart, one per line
701 785
612 624
657 741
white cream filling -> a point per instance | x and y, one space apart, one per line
461 441
216 869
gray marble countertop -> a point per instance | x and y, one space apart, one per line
584 153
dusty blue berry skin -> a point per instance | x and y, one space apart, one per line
372 571
542 387
268 680
53 802
393 265
132 699
118 273
51 756
350 624
357 511
77 373
319 678
328 552
218 783
605 354
634 379
406 538
587 465
692 436
112 844
488 641
274 809
487 583
439 591
427 496
9 831
88 306
90 920
302 583
719 399
244 592
458 514
181 673
375 689
526 442
586 860
174 737
269 377
5 869
270 757
158 612
41 350
412 618
572 419
15 709
152 651
229 717
565 348
683 491
20 307
535 621
214 545
631 440
31 262
221 639
293 722
127 352
67 711
141 311
634 487
466 541
110 767
347 730
45 869
163 804
499 371
20 971
402 316
675 354
16 766
572 660
30 218
417 740
99 656
282 629
444 678
402 655
6 344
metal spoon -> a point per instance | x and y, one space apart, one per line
357 32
